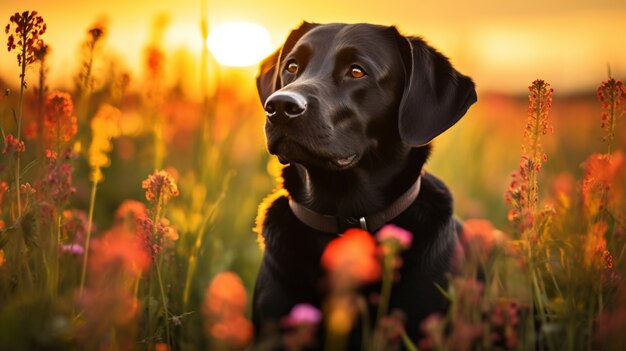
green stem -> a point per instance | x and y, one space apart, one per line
164 303
54 253
385 294
92 202
19 129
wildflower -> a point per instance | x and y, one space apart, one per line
612 95
75 229
352 258
393 239
389 331
166 230
24 37
302 313
223 308
95 34
595 246
109 301
504 319
59 119
522 194
160 185
130 212
13 146
59 178
602 182
4 188
480 237
395 236
433 328
104 127
302 323
464 334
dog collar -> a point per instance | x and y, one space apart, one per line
371 223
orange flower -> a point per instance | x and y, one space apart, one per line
602 183
522 194
129 211
353 258
481 236
120 250
108 301
160 185
596 253
223 308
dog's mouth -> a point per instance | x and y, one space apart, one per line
345 162
291 151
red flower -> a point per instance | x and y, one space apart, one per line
28 27
353 258
612 95
59 119
13 146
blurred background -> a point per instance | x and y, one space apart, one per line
212 121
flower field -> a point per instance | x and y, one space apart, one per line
127 215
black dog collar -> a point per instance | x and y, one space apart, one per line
371 223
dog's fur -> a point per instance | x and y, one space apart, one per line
355 146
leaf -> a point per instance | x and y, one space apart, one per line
443 292
28 226
5 234
408 343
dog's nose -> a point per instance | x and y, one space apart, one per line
283 105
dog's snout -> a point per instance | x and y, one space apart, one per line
281 106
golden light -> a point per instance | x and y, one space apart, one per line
239 44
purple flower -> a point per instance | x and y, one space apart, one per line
73 249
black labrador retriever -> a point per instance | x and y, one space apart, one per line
351 108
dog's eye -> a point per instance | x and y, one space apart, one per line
357 72
292 67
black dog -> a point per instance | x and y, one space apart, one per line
351 108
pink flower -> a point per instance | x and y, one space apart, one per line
400 236
302 313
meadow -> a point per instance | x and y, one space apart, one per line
127 215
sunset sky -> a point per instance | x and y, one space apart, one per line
503 45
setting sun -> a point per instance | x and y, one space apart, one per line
239 43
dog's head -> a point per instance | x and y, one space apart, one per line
334 93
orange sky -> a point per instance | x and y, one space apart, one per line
503 45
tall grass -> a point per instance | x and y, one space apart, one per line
126 223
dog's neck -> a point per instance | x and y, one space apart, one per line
369 187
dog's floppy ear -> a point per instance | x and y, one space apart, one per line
267 80
435 95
